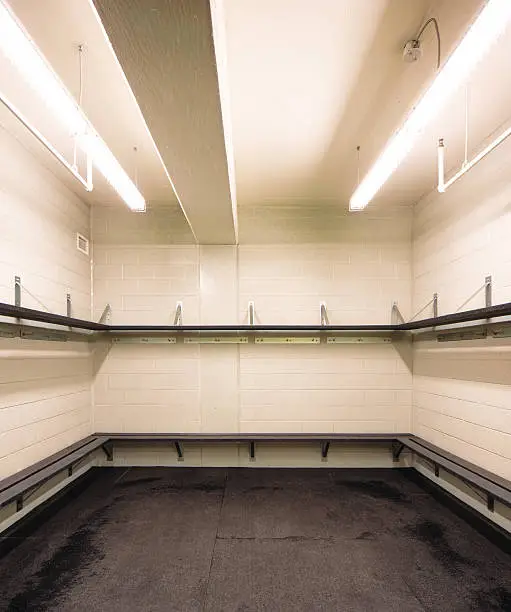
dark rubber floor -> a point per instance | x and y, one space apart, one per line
161 539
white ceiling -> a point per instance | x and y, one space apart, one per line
292 67
284 89
309 82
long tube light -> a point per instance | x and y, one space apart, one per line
484 32
36 71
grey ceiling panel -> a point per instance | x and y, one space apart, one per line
166 50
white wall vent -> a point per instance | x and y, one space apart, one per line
82 244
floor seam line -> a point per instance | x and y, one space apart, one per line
208 580
379 544
122 476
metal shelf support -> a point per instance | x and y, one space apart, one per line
178 317
323 314
487 291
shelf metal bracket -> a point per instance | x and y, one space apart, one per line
487 291
323 314
251 313
435 305
396 316
17 291
69 308
325 446
105 315
178 317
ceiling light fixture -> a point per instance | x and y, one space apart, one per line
35 70
484 32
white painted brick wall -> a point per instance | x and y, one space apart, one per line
327 388
39 218
245 387
45 387
462 394
359 282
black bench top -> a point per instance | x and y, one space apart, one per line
251 437
17 484
495 485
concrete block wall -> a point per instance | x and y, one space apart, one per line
45 387
461 391
263 388
45 399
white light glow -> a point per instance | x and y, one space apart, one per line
21 51
484 32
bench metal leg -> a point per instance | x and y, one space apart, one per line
325 446
490 503
179 451
437 470
397 448
19 503
108 449
252 450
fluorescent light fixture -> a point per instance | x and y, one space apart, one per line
35 70
104 160
484 32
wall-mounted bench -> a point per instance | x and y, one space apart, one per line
324 440
22 484
494 486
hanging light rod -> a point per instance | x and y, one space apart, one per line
483 33
21 51
443 185
86 182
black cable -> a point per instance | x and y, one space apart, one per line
435 23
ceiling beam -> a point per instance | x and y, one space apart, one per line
167 52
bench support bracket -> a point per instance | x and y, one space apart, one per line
179 450
325 446
490 502
108 449
397 448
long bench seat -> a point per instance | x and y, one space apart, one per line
17 486
251 439
494 486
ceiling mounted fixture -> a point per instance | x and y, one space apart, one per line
484 32
413 49
21 51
